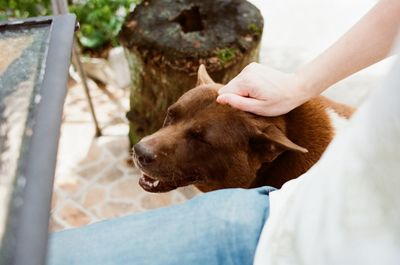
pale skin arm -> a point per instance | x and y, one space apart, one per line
268 92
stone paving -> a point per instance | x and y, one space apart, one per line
94 177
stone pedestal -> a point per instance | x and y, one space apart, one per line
165 42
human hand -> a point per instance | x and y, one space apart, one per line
264 91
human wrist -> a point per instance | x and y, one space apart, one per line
303 90
309 83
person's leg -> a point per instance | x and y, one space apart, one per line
219 227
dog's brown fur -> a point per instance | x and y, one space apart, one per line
215 146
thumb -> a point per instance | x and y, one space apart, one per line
239 102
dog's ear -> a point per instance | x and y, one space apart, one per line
270 142
203 77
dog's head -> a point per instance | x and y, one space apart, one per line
210 145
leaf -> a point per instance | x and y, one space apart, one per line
95 41
100 20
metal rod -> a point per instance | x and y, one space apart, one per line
78 65
61 7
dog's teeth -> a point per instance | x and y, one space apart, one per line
155 184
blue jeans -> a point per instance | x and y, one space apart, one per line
221 227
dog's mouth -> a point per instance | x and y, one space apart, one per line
151 184
164 181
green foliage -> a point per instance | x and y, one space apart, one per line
100 21
256 30
226 54
24 8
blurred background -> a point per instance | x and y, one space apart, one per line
95 178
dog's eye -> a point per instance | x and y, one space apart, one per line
197 135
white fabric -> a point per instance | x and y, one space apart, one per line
346 209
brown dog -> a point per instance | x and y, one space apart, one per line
215 146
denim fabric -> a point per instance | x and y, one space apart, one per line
221 227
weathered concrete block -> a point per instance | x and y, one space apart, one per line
165 42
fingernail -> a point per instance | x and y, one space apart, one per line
221 99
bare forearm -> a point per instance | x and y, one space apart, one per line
366 43
265 91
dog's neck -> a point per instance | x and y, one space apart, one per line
310 127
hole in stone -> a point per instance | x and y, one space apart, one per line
190 20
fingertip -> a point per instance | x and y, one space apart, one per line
222 99
230 99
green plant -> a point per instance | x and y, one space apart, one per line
226 54
100 21
256 30
24 8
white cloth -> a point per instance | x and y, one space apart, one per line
346 209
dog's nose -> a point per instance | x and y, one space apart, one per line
144 154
